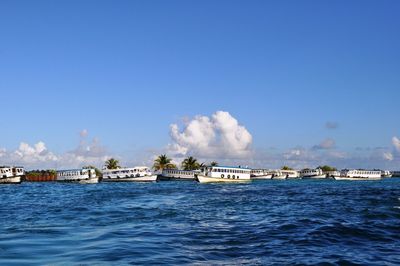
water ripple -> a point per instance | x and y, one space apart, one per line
261 223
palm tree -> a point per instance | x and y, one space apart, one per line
213 163
203 166
112 164
190 164
163 162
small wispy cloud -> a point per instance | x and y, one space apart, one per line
3 152
388 156
325 145
331 125
83 133
396 143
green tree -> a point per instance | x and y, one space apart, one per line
112 164
285 167
213 163
163 162
52 172
190 163
327 168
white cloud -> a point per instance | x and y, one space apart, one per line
325 145
211 137
30 155
3 152
388 156
91 152
396 143
338 154
294 153
83 133
38 156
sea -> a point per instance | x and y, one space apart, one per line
281 222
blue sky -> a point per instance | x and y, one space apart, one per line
125 70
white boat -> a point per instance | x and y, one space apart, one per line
134 174
290 174
11 175
225 174
89 181
284 174
332 174
82 176
278 175
312 174
260 174
359 175
386 174
395 173
181 175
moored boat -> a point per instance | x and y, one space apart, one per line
178 175
11 175
290 174
386 174
332 174
278 175
82 176
395 173
284 174
312 174
225 174
134 174
260 174
359 175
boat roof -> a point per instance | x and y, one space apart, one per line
174 169
231 167
127 168
74 170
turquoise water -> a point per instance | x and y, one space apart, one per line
266 222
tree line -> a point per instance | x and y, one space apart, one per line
190 163
164 162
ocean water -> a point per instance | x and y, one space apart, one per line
261 223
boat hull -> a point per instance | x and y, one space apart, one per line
10 180
208 179
173 178
89 181
279 177
357 178
261 177
314 177
149 178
